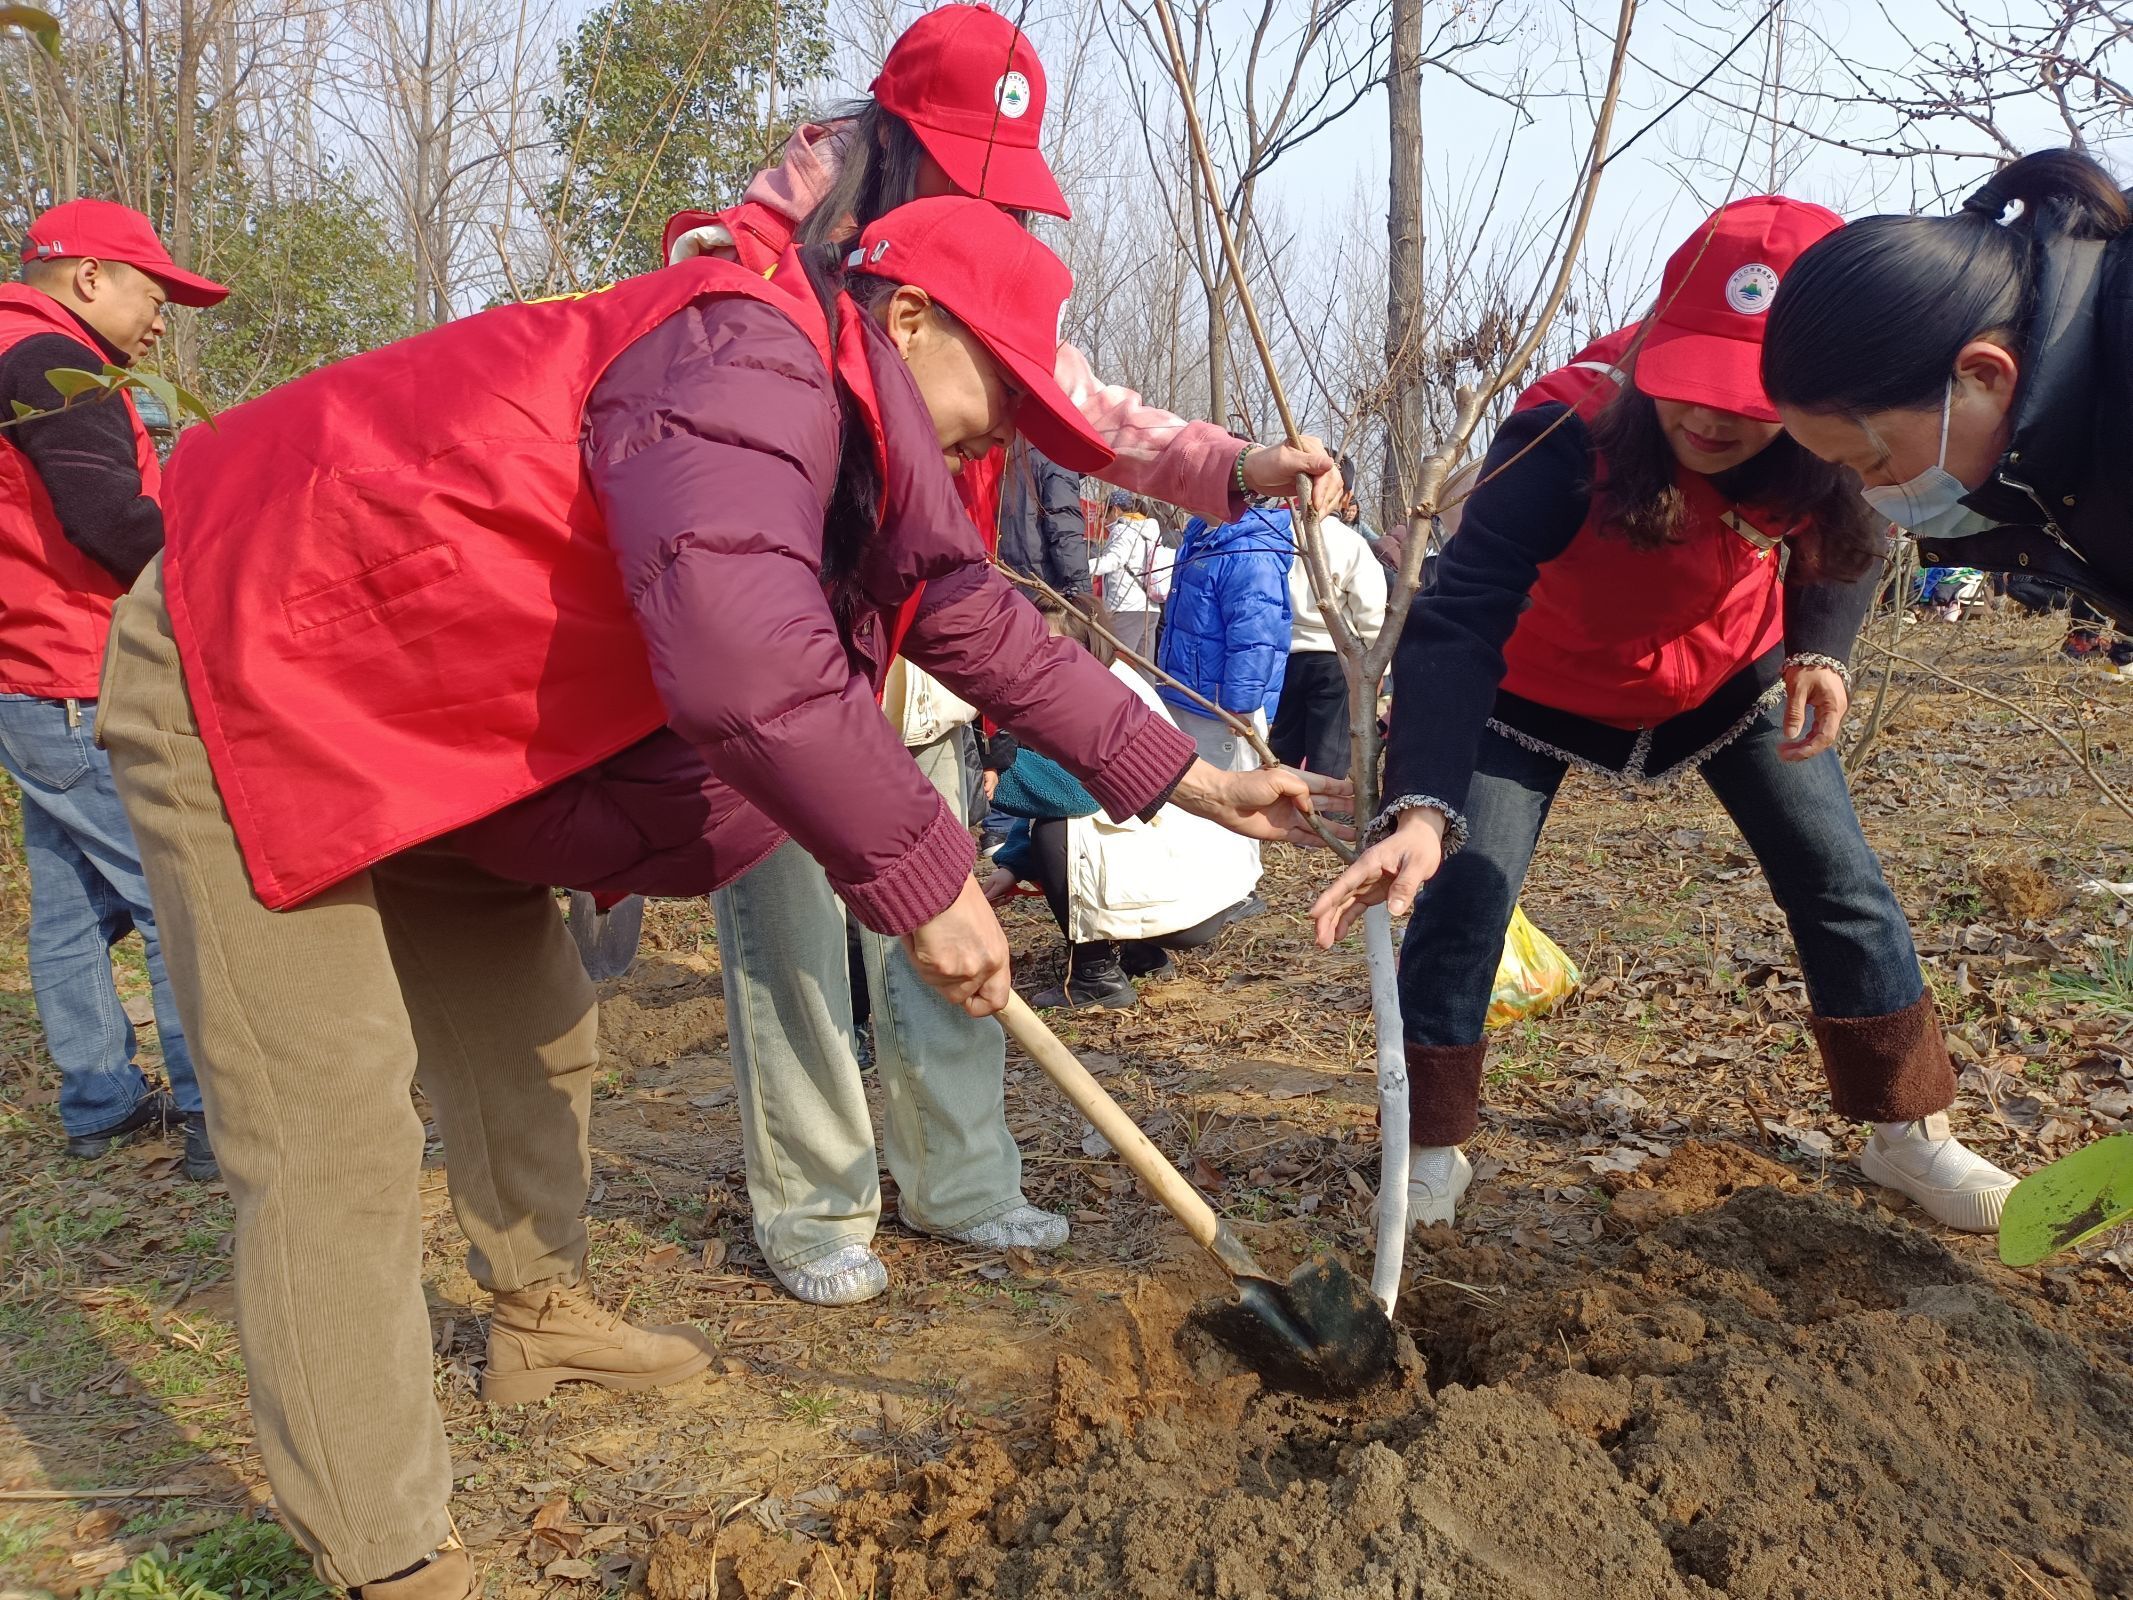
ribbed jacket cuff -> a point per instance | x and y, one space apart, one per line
1814 658
921 885
1143 772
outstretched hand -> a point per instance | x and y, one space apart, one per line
1265 803
1392 870
1274 468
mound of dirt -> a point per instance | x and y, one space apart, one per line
1739 1390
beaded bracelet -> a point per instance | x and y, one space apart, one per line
1237 477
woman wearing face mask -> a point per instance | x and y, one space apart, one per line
1970 369
1647 570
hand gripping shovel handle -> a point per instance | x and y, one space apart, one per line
1134 1148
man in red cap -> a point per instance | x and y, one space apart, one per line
78 522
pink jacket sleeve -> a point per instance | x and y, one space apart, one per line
1160 454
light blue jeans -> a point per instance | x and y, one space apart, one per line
86 894
814 1178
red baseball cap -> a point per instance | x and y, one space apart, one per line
112 232
970 84
1010 291
1704 343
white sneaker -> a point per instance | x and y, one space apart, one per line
1925 1161
1024 1228
842 1278
1436 1178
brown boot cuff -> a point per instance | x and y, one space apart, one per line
1443 1092
1887 1069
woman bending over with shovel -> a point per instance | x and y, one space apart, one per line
1619 597
958 108
590 591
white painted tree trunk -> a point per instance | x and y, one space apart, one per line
1392 1105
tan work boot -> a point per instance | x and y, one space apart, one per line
447 1575
555 1334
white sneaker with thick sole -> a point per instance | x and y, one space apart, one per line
1436 1177
1926 1162
844 1277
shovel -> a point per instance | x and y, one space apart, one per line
606 940
1319 1332
2074 1199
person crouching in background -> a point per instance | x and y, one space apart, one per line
1125 895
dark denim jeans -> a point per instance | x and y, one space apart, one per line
86 894
1854 945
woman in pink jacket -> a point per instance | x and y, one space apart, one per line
958 108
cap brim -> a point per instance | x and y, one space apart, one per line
1008 175
1046 417
1703 369
187 288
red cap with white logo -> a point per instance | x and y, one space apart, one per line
999 281
1704 343
970 84
112 232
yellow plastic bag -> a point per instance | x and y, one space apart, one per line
1533 975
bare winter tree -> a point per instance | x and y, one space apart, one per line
434 97
1265 77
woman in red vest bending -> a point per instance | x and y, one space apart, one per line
592 591
1648 570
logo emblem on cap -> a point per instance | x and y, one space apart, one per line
1011 94
1749 290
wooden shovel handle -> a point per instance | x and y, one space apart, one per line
1076 1082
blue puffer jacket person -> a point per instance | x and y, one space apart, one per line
1226 628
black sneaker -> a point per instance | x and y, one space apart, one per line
1248 909
200 1163
152 1110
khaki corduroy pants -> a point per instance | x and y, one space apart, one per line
308 1027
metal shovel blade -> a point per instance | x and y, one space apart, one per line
606 940
2075 1198
1321 1333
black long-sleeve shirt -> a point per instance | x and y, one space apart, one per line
1450 661
84 454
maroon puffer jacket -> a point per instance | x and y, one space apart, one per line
712 445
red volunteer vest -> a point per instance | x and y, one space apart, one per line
1631 637
391 588
760 237
55 603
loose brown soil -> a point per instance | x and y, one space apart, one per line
1745 1391
1677 1347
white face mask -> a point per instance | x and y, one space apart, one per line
1931 504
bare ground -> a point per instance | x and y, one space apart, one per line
1679 1348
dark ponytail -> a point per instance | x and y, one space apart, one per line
1872 317
855 503
879 160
